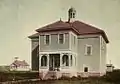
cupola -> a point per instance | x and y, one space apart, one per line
71 14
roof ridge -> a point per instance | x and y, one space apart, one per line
72 26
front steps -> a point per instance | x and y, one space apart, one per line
50 75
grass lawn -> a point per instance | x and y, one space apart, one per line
71 82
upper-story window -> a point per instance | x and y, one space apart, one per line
61 38
74 40
47 39
88 50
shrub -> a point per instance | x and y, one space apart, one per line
79 77
64 78
17 75
113 76
74 78
54 77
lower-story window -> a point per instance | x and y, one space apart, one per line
85 69
71 60
65 60
44 60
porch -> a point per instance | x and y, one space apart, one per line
56 64
56 61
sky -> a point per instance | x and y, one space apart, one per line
20 18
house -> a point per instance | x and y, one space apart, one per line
69 48
110 67
19 65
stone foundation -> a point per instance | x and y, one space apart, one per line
58 74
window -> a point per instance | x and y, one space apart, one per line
88 50
65 60
71 60
74 40
70 15
85 69
44 61
47 39
73 15
61 38
75 60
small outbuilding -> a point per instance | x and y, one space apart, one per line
19 65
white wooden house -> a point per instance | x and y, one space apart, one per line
69 48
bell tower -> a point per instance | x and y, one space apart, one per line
71 14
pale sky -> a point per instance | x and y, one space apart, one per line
20 18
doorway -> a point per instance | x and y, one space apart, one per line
54 62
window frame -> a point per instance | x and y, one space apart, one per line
73 15
74 40
45 42
86 69
65 60
44 64
71 60
86 49
59 38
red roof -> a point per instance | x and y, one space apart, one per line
78 27
20 63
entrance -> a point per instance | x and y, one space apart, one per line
54 62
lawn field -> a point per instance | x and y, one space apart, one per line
33 78
73 82
60 82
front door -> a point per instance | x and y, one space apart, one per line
54 62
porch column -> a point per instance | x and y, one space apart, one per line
40 60
47 60
69 60
61 55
